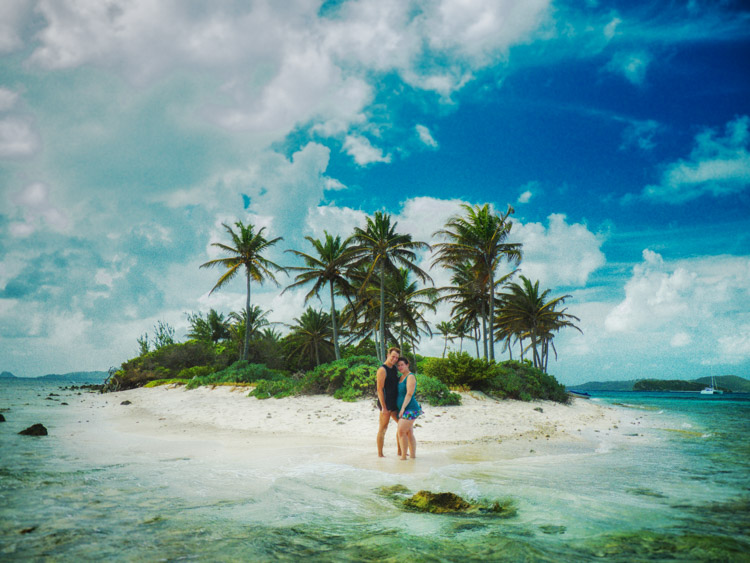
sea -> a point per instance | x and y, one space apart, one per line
671 484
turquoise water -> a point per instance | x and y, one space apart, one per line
671 483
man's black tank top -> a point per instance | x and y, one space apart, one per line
390 388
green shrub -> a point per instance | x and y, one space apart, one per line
195 371
506 380
524 382
434 392
459 370
238 372
265 389
347 379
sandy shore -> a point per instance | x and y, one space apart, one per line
224 421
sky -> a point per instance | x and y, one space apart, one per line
130 130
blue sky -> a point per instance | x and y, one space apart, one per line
619 131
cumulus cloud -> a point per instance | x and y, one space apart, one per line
699 302
559 254
735 348
8 99
279 65
14 15
717 165
426 137
362 151
18 138
34 203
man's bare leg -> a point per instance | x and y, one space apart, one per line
385 418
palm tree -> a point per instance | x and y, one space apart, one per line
246 250
405 303
241 328
526 313
329 266
480 238
211 329
382 250
446 329
311 334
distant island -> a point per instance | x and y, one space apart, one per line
727 383
72 377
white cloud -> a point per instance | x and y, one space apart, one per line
701 302
717 165
653 297
426 137
680 340
14 15
525 197
8 99
362 151
18 138
632 65
735 348
611 28
34 203
640 134
560 254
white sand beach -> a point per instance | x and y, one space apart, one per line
224 421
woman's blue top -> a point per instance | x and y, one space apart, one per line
413 404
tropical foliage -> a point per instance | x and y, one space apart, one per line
477 243
246 252
375 294
528 314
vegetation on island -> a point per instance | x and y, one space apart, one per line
371 273
726 383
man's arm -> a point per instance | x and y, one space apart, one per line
380 378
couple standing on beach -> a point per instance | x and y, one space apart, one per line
397 387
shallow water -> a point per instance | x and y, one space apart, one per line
673 485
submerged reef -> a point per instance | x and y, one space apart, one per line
447 503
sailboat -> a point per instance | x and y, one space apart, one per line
711 389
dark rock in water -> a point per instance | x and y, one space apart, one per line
27 530
438 503
34 430
442 503
2 418
126 403
550 529
63 403
539 409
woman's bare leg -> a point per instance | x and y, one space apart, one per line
412 442
404 429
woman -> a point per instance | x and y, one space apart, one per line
409 409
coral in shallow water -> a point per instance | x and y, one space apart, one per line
441 503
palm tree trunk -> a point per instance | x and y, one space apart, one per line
382 311
492 316
476 338
445 346
317 355
484 331
247 318
414 352
333 323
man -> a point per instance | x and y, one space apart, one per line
387 387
